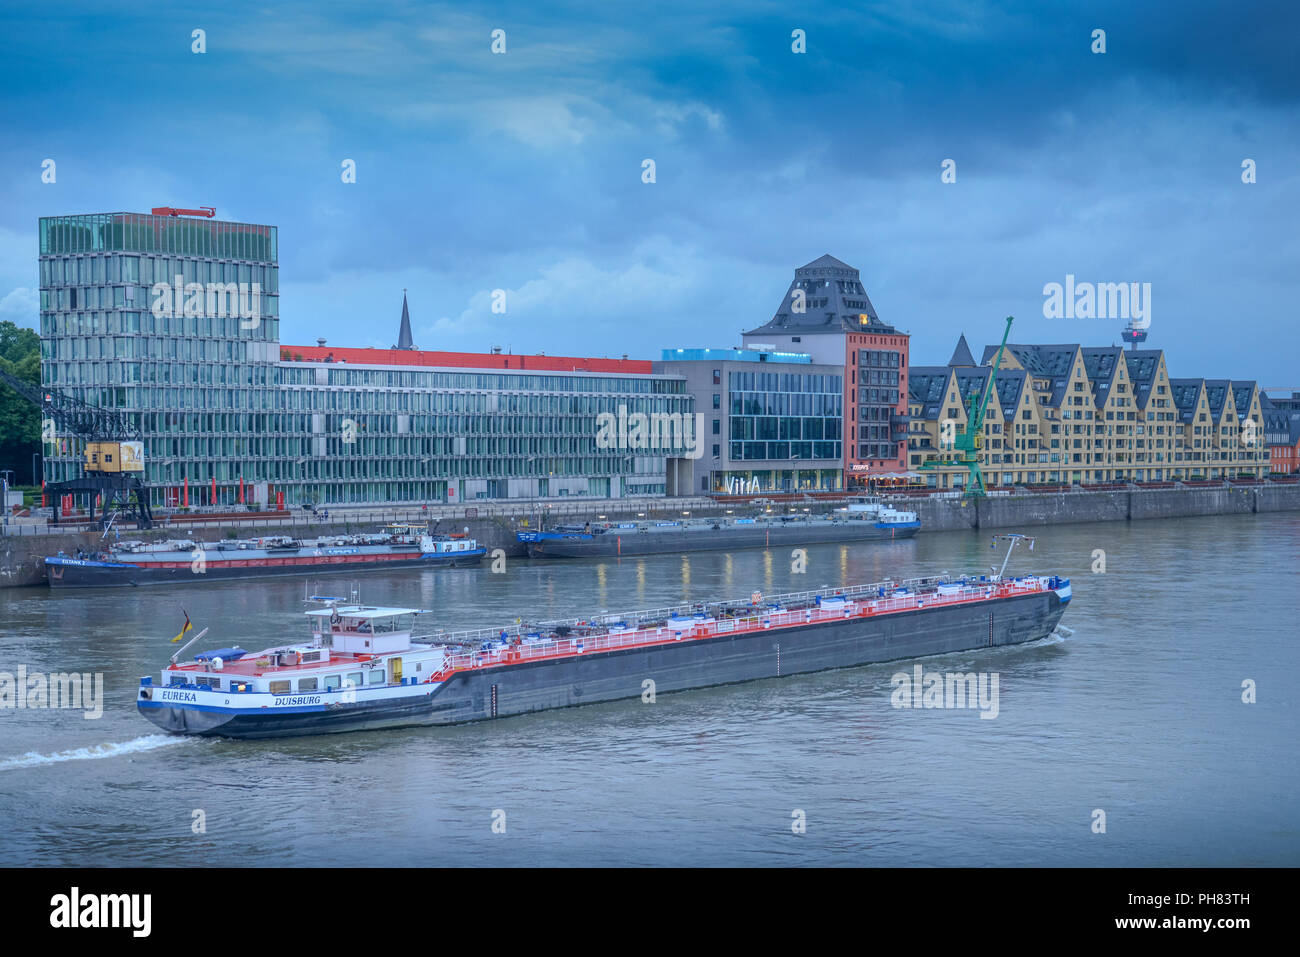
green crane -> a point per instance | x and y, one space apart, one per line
966 445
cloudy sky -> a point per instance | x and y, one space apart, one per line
522 171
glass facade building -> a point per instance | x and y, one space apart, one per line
784 415
175 321
772 421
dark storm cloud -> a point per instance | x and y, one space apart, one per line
522 171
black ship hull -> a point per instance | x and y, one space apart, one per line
613 544
72 573
531 686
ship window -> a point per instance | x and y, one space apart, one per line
278 687
307 684
332 682
175 680
356 679
376 677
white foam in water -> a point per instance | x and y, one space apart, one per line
147 743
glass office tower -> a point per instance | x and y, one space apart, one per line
175 321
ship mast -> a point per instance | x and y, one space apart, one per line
1014 539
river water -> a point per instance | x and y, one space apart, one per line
1133 709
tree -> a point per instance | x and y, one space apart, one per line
20 421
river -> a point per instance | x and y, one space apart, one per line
1134 709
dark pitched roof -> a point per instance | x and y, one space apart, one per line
833 302
926 386
1010 385
1216 393
1052 362
1281 424
1241 395
961 356
1142 366
404 339
974 379
1101 364
1186 392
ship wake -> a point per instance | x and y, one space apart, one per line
93 752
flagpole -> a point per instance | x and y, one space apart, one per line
181 649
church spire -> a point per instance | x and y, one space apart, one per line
961 356
404 340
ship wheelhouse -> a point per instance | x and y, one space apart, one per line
362 630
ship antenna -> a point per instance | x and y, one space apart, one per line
1013 539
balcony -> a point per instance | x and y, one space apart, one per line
899 425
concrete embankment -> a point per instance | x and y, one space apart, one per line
939 515
22 556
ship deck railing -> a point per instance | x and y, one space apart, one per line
684 609
863 601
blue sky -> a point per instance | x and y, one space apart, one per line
522 171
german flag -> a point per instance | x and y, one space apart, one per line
188 626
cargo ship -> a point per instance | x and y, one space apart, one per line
132 563
358 667
862 521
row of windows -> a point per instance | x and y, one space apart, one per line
106 270
55 325
771 427
759 451
351 403
879 358
878 451
797 382
245 307
779 403
482 381
520 465
146 233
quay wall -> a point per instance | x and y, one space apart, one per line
22 555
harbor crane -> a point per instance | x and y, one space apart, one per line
965 445
113 467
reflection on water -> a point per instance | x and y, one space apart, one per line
1138 712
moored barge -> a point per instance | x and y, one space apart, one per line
133 563
864 521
